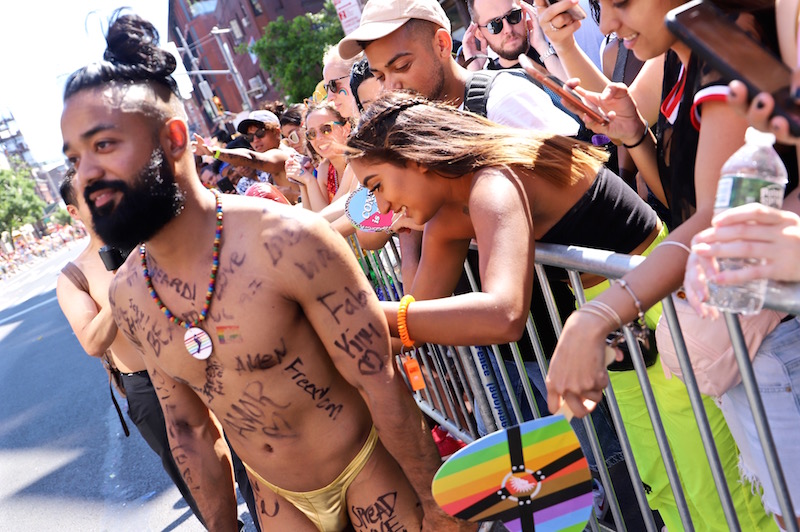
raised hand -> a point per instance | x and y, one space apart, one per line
468 42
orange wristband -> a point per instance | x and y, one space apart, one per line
402 326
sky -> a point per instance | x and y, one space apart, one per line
41 43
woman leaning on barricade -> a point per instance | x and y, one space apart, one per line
696 132
466 178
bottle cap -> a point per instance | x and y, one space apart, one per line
758 137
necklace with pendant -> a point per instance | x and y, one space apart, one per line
197 341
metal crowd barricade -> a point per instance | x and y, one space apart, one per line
461 381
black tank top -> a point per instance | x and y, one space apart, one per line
610 215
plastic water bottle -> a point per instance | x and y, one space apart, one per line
755 173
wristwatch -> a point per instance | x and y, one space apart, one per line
550 51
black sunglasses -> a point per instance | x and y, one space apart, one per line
259 133
331 86
495 25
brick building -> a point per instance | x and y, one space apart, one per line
238 22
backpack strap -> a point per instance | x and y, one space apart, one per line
76 276
476 92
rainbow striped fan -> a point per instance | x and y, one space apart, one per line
532 477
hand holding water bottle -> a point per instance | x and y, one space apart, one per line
754 174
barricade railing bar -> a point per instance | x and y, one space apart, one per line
467 386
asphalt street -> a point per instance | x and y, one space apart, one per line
65 463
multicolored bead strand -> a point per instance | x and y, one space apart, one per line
211 282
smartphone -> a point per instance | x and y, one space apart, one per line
225 186
303 161
733 53
569 96
576 12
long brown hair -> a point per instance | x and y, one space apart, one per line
401 127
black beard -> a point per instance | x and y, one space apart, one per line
153 200
514 54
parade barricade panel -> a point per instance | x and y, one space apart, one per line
462 381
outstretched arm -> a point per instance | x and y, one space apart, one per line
271 161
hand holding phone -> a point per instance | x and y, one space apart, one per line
298 165
569 96
733 53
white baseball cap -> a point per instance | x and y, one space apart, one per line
382 17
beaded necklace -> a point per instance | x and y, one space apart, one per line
196 340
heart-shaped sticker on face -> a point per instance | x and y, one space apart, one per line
362 211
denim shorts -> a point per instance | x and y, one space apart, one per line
777 370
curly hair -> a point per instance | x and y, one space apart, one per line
401 127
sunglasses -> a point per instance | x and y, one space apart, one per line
293 137
495 25
259 133
324 130
331 86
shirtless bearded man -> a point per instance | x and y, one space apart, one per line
298 370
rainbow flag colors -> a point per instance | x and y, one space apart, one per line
531 476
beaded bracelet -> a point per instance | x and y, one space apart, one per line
402 326
624 284
644 136
681 245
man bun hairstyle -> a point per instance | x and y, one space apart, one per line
132 56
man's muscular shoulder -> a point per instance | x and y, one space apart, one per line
287 239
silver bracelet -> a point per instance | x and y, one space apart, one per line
681 245
609 313
550 51
624 284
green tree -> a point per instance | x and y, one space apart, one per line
19 203
291 50
62 217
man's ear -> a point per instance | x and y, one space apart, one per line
73 211
176 137
443 43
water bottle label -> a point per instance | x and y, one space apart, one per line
735 190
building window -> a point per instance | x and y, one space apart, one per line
238 35
257 9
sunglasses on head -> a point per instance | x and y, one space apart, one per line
331 86
495 25
324 130
259 133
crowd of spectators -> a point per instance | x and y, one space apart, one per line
394 121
